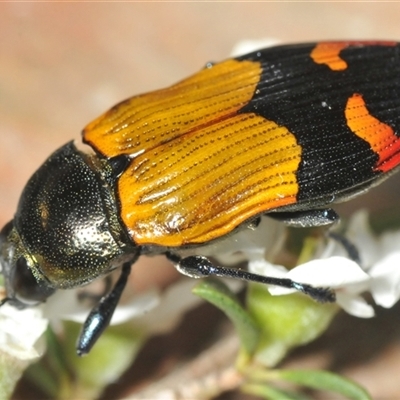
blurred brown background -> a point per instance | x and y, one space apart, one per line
61 65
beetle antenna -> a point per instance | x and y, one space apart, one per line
100 316
199 267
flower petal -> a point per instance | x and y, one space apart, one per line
265 268
138 306
360 234
20 332
247 244
331 272
64 305
354 305
385 285
389 242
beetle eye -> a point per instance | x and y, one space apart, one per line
27 289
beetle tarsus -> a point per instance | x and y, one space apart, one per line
100 316
199 267
320 294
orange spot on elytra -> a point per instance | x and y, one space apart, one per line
379 135
329 52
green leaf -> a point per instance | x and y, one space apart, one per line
324 380
48 381
112 354
52 373
286 321
218 294
268 392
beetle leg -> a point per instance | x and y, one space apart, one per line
96 297
100 316
199 267
306 218
348 245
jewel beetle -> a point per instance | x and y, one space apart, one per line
286 131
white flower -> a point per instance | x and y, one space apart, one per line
262 241
153 311
380 258
379 272
65 305
341 274
21 332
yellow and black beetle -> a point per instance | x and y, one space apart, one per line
284 131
